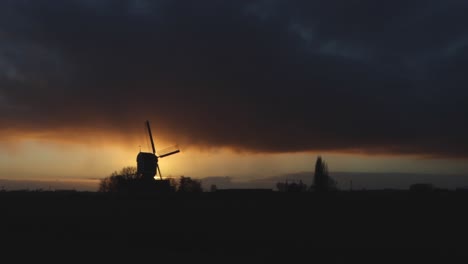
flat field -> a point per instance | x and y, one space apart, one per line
258 223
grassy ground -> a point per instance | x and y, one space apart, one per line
341 224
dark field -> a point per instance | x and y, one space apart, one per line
343 224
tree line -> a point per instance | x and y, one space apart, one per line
322 181
128 181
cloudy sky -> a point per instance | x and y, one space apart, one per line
246 88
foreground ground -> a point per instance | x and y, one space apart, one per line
263 223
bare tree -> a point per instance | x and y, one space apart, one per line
121 181
187 184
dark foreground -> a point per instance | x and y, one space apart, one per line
342 225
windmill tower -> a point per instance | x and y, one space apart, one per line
147 162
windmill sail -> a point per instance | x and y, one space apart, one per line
168 151
147 162
150 136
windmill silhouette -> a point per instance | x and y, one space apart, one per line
147 162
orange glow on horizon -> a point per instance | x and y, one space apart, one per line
96 155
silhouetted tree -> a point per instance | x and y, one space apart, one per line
110 184
124 181
173 183
129 172
127 180
104 185
187 184
322 181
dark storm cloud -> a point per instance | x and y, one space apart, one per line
258 75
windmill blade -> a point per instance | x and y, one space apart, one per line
159 172
168 151
150 136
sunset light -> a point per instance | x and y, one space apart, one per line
325 122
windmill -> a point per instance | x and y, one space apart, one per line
147 162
